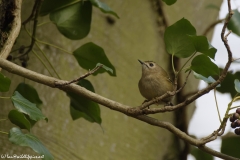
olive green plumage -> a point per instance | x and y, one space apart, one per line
154 81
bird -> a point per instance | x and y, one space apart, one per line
154 82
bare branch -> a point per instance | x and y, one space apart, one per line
51 82
82 77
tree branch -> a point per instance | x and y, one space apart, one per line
51 82
81 77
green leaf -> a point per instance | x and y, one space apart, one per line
29 93
89 54
177 40
76 114
73 21
52 5
201 64
4 83
27 107
237 85
105 67
29 140
19 119
234 23
200 155
207 80
202 45
227 84
103 7
169 2
231 145
90 110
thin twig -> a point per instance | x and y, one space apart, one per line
225 37
35 13
184 84
81 91
82 77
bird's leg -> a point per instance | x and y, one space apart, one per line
146 100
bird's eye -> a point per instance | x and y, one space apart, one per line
151 64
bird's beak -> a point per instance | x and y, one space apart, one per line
140 61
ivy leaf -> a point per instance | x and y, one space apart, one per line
227 84
201 64
73 21
17 137
230 145
53 5
19 119
89 54
29 93
177 40
202 45
103 7
4 83
207 80
25 106
237 85
76 114
87 108
170 2
105 67
234 23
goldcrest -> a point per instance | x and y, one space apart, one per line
154 81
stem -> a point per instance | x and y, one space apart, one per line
187 61
52 45
235 59
217 105
3 119
3 132
5 97
234 107
42 62
49 44
47 60
44 23
173 65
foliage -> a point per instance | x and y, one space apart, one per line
72 19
